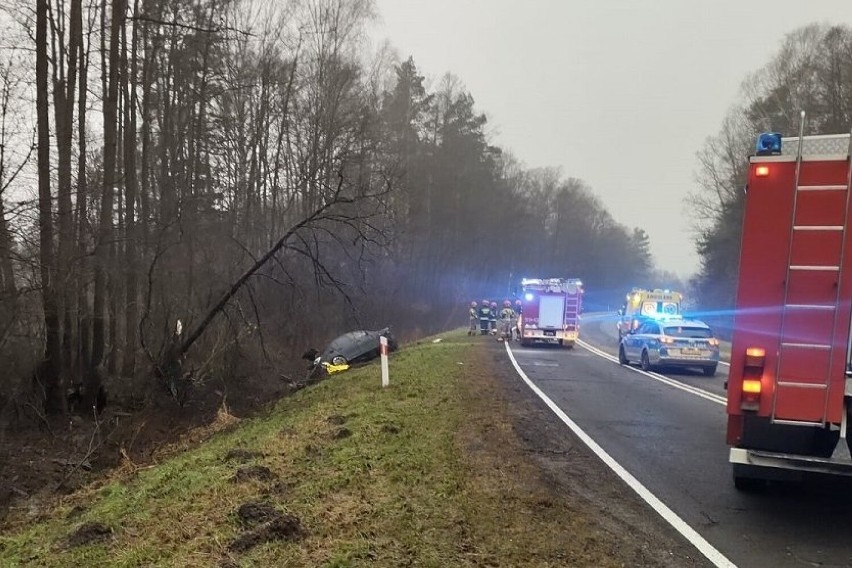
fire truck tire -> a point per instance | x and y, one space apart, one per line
622 358
849 444
824 442
745 482
645 363
709 371
848 418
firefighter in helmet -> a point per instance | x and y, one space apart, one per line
494 316
474 319
484 317
507 314
516 331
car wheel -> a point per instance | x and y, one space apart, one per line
622 357
709 371
645 362
338 360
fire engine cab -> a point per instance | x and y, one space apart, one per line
550 310
788 388
641 305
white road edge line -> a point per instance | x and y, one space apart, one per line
708 550
712 397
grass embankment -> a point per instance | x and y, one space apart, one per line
345 473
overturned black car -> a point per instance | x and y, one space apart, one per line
350 348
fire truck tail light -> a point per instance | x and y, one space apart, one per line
761 171
751 392
755 360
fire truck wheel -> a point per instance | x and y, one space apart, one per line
709 371
622 358
824 442
743 482
645 362
848 418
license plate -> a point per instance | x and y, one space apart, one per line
550 333
690 351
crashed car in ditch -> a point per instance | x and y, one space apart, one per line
350 348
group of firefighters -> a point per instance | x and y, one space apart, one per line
485 317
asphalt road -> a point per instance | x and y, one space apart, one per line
673 442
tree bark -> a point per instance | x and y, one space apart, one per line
84 327
131 186
104 244
48 373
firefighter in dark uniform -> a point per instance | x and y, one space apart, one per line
484 317
494 315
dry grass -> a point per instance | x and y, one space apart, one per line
427 472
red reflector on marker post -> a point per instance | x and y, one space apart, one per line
761 171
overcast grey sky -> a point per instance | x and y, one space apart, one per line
620 93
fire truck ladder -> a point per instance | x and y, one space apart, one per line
809 315
572 307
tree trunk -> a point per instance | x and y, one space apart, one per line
105 230
64 88
132 311
84 327
48 374
8 288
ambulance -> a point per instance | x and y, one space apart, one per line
641 305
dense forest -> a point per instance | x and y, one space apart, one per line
190 185
811 72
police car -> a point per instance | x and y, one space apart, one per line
674 342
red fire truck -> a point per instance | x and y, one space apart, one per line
550 310
788 391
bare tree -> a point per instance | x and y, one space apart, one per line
49 370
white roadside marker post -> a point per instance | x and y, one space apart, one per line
383 349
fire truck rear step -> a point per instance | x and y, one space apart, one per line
809 307
789 461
